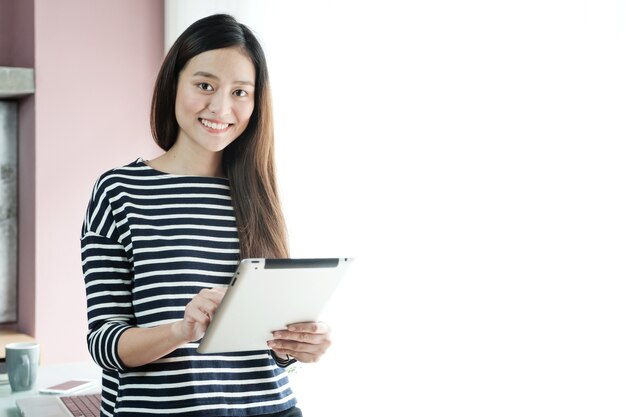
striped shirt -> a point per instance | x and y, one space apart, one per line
150 242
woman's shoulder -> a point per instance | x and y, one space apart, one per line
138 176
136 167
128 173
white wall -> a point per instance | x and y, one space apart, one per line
470 156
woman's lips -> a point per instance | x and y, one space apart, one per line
214 126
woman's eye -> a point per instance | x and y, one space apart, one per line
240 93
205 86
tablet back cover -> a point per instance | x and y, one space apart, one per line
267 295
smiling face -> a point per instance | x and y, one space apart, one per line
214 100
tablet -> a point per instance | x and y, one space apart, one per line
266 295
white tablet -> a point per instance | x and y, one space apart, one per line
267 295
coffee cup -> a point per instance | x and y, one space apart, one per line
22 361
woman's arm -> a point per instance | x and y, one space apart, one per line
140 346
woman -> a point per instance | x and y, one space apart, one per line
162 238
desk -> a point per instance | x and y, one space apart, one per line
48 375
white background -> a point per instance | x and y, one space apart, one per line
470 155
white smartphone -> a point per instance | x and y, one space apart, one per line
69 387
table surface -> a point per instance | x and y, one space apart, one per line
47 376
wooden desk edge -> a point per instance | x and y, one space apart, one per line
7 336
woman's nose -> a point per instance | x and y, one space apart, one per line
219 103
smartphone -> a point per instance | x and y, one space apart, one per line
69 387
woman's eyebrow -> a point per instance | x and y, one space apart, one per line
205 74
209 75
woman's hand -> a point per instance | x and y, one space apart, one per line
306 342
198 314
140 346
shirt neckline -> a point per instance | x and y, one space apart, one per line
142 162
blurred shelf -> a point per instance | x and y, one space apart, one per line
16 82
8 336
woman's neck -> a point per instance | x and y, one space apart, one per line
179 161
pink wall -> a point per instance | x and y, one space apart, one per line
95 64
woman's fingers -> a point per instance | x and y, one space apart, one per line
310 327
213 295
308 338
306 342
315 346
200 310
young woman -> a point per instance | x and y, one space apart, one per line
162 239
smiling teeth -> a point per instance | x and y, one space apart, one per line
219 126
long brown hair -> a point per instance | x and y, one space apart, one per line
249 161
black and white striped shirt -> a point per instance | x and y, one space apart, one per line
150 242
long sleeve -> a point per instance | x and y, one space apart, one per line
283 363
107 276
108 273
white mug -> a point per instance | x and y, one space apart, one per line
22 360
